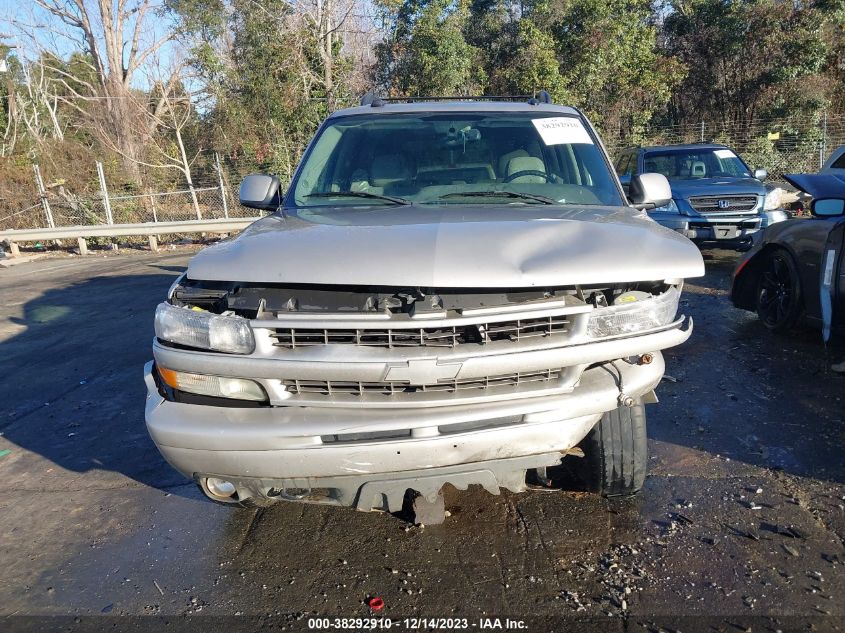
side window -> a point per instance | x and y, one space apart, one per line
631 170
622 164
839 163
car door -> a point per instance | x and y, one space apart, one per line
833 274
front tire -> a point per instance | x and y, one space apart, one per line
779 301
616 452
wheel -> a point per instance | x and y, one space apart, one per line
779 302
616 452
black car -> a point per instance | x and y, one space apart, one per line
796 268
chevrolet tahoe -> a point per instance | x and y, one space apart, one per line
448 292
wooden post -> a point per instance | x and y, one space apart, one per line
104 192
222 185
153 204
153 239
83 246
42 193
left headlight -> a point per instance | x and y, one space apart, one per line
204 330
634 314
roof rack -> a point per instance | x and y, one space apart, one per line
375 101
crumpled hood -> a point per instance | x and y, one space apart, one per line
683 188
455 246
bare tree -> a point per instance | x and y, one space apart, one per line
39 103
118 37
164 120
327 19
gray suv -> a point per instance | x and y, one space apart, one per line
715 196
451 292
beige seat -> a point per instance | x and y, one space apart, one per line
504 159
698 169
526 163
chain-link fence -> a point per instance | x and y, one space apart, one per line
781 146
57 207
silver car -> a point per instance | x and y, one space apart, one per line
448 292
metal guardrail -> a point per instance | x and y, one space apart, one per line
150 229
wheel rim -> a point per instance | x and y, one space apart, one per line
777 290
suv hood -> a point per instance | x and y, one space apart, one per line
456 246
683 188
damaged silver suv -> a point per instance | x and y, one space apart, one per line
449 292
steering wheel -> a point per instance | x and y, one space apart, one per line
527 172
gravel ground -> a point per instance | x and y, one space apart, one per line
741 525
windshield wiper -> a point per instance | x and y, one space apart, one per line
498 194
358 194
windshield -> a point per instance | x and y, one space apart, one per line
696 163
508 158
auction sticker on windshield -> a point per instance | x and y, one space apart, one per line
562 130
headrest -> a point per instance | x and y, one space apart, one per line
698 168
387 169
504 159
526 163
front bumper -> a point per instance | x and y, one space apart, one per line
713 229
324 455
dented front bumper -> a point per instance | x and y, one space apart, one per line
367 457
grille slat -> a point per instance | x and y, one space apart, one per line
389 338
329 388
737 204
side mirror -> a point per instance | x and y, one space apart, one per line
260 191
828 207
761 174
648 191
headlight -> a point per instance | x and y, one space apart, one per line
204 330
631 314
671 207
215 386
773 199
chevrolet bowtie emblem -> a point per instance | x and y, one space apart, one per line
422 372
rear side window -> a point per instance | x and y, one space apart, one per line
622 164
839 163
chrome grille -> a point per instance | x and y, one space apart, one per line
736 204
328 388
390 338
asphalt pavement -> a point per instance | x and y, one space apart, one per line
741 525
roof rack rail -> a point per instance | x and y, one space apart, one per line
375 101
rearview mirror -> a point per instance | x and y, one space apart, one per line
648 191
761 174
828 207
260 191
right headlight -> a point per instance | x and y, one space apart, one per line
205 330
635 315
773 199
670 207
